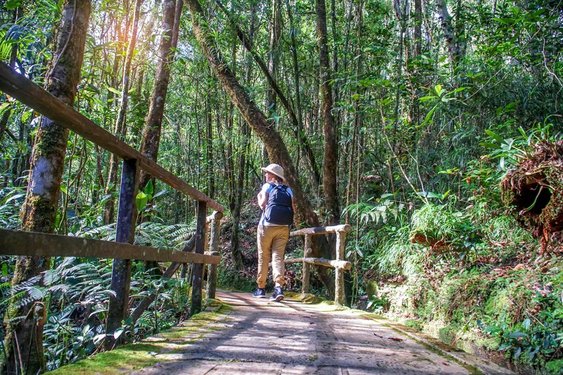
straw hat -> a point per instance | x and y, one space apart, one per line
274 169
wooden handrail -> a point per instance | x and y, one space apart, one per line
344 264
322 230
339 264
48 245
121 251
32 95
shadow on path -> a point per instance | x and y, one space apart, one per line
263 337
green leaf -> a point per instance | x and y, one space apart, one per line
26 115
517 334
64 189
141 200
427 98
13 4
439 90
14 197
149 189
114 90
4 106
493 135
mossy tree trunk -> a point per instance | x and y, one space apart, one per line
24 330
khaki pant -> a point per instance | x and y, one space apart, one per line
271 242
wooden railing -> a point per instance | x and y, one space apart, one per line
339 264
122 251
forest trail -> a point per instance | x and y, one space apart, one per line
262 337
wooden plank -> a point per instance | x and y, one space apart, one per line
121 268
339 288
338 264
321 230
212 268
32 95
306 270
197 269
50 245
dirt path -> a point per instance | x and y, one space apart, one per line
263 337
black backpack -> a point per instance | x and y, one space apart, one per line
279 210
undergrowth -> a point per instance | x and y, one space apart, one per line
461 268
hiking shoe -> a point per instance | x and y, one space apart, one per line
277 295
259 293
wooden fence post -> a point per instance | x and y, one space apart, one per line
214 249
125 232
197 268
306 270
339 290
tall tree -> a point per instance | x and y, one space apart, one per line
273 56
330 162
242 165
120 128
24 331
168 42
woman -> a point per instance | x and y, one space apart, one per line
276 201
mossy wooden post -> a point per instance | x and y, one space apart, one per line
214 246
121 271
339 291
306 268
197 269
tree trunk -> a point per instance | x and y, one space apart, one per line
238 188
24 338
330 163
120 129
275 146
273 58
153 122
449 33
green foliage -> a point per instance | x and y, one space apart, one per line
234 280
377 304
11 200
536 338
368 213
511 150
440 225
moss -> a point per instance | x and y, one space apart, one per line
448 334
554 367
39 214
128 357
414 324
139 355
304 297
